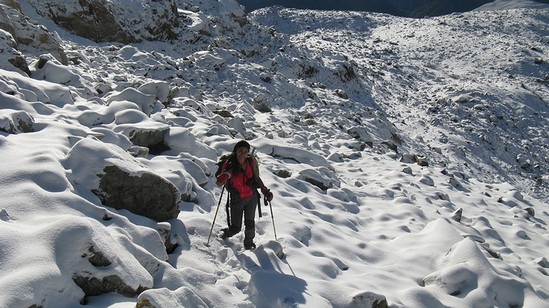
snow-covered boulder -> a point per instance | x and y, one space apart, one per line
13 122
148 133
121 182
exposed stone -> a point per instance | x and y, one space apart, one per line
96 258
265 77
102 21
224 113
14 122
146 194
427 180
407 170
369 300
283 173
145 134
9 51
341 93
29 35
93 286
164 229
318 178
261 104
457 215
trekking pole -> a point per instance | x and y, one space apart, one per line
272 216
215 216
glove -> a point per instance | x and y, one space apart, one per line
222 178
267 193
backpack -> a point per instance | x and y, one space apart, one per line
222 159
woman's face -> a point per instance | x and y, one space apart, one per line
241 154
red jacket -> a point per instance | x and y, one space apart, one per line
240 181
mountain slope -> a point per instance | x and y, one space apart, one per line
407 158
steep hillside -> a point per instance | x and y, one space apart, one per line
407 157
429 75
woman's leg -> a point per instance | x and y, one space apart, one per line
237 210
249 221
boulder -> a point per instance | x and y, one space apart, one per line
120 181
146 194
13 122
146 134
369 300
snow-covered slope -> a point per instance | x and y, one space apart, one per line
408 159
512 4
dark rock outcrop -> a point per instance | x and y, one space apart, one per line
146 194
106 21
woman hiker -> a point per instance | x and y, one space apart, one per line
240 175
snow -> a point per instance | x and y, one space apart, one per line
356 221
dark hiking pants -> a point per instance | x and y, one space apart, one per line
243 208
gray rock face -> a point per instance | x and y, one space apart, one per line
29 35
148 194
107 21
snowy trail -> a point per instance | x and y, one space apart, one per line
407 158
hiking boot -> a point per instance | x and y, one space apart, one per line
226 233
249 246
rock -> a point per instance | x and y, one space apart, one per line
427 180
159 89
407 170
107 21
457 215
336 157
165 231
29 35
146 102
422 161
342 93
265 77
4 216
146 194
369 300
120 181
9 51
283 173
261 104
163 297
146 134
94 286
96 257
408 158
14 122
224 113
542 261
320 177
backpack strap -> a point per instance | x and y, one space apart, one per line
255 170
258 181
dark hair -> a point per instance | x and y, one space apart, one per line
241 144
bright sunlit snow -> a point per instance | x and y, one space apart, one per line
407 157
